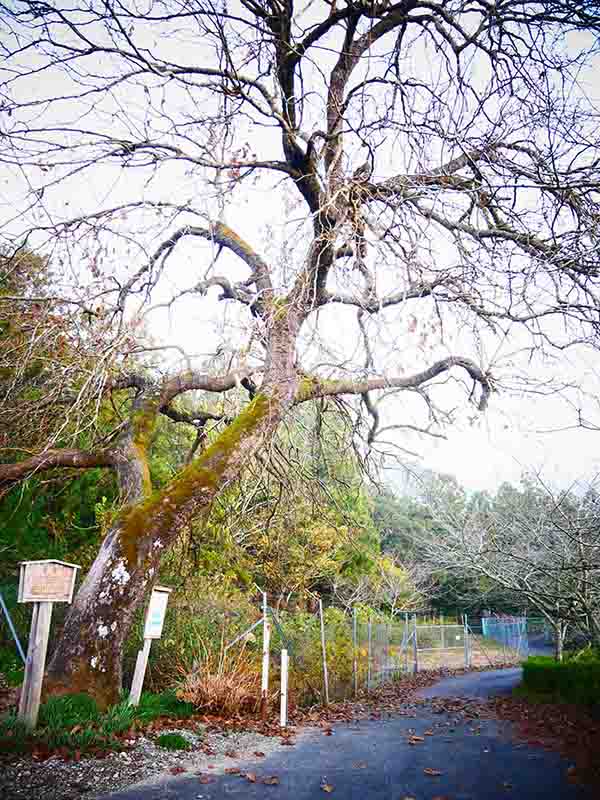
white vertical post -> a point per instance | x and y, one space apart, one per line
369 656
264 687
415 645
141 664
355 651
31 691
406 640
324 651
284 689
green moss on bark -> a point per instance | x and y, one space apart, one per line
202 475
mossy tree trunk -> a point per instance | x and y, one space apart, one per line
88 655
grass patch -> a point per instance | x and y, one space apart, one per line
73 723
172 741
165 704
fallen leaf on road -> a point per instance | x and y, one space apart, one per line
177 770
250 776
206 779
327 787
271 780
232 771
231 754
258 754
430 771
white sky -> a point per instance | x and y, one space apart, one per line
481 451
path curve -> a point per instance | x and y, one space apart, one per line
451 757
479 685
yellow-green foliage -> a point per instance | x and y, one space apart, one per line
302 633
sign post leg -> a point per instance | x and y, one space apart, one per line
31 690
140 671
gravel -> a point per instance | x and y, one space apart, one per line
56 779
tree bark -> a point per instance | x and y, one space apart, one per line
88 654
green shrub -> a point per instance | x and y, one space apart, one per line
575 680
11 666
172 741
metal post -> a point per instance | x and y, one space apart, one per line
415 645
264 687
369 656
443 641
324 651
284 689
466 642
12 629
387 660
355 652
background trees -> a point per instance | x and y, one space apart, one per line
423 180
538 545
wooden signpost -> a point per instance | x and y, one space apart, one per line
155 618
41 583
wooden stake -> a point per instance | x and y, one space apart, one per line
139 674
31 690
284 689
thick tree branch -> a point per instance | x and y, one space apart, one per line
312 387
73 458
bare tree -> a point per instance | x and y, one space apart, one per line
427 164
540 545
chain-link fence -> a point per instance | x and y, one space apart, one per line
509 632
357 654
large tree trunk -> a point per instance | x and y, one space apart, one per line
88 655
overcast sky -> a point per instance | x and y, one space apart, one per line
519 432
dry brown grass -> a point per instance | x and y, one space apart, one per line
222 683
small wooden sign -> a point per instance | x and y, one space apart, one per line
41 583
47 581
155 615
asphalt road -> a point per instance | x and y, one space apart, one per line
372 760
